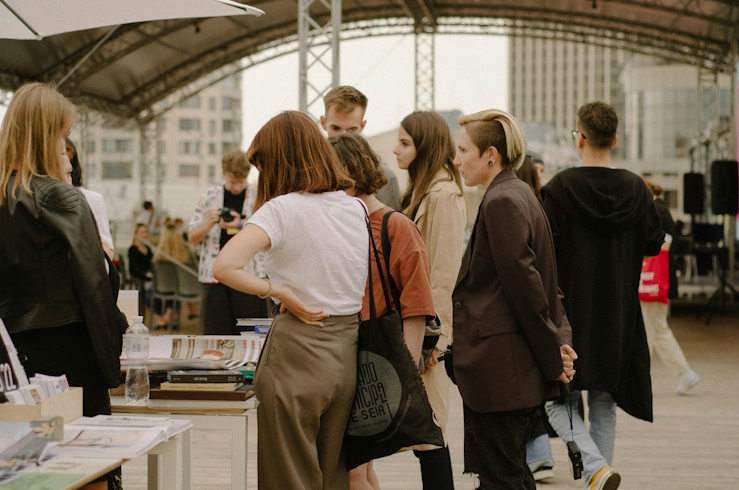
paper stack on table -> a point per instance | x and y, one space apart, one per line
115 436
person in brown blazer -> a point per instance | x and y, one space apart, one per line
511 335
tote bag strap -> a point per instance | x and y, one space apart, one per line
373 248
386 252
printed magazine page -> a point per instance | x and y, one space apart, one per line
200 351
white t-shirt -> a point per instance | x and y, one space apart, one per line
96 201
319 248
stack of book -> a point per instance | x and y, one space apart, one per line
203 385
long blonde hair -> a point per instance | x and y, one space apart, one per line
38 115
173 244
499 129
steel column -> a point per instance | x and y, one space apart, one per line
424 58
318 53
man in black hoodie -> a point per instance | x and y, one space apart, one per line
603 223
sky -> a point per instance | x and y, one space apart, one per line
471 75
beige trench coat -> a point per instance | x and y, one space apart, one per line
441 219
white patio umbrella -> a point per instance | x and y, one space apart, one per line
36 19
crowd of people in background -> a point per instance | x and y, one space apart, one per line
540 303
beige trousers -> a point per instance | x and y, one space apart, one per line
305 385
660 337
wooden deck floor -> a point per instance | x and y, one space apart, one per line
692 444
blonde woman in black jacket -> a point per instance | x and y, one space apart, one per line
56 297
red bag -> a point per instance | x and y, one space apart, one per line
655 278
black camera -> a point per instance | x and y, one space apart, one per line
573 451
227 216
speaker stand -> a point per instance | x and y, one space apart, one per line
720 293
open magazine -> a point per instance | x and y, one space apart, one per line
169 352
115 436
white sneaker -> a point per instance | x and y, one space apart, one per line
688 379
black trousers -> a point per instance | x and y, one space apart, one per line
495 448
222 306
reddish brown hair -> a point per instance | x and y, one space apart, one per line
293 156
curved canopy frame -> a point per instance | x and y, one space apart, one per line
138 65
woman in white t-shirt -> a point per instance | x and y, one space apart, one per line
316 243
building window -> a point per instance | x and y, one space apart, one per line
229 126
211 148
228 146
117 170
189 148
211 171
212 103
90 147
189 124
117 146
212 127
229 103
189 170
162 146
191 103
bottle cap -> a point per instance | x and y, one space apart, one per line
138 319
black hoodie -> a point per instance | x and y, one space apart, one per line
603 223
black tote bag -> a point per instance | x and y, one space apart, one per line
391 409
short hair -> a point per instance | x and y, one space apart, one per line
75 161
37 116
148 205
598 122
498 129
434 151
344 99
236 163
292 155
360 161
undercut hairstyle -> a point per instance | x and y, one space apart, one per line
293 156
500 130
527 172
434 152
363 165
236 163
343 99
36 118
598 121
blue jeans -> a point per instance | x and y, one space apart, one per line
596 444
539 453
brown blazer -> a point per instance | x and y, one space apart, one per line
509 322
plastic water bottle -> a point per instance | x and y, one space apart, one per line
137 352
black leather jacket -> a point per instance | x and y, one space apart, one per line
52 269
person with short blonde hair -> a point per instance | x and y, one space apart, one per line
219 215
315 240
511 335
345 108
